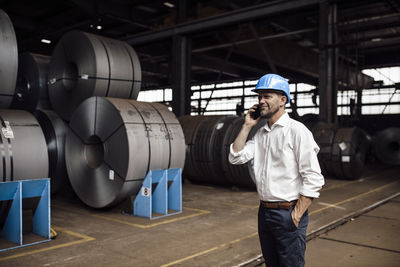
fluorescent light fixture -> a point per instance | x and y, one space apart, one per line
45 41
99 27
376 39
168 4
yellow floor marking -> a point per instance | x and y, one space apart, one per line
228 204
352 182
61 229
352 198
330 205
84 238
198 210
344 184
239 205
255 234
143 226
209 250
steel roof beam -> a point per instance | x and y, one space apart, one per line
222 20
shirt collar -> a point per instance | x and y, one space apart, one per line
282 121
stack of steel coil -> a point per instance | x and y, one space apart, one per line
208 139
324 134
54 129
206 149
240 175
31 90
309 120
24 147
85 65
24 150
8 60
349 151
386 144
82 65
113 143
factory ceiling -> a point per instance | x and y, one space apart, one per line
230 40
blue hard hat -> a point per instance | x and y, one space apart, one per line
273 82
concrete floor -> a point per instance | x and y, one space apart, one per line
218 227
371 239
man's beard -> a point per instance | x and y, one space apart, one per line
267 114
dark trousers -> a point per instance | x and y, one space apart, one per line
282 244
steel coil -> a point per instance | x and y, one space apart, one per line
8 60
208 139
240 175
54 129
309 120
24 150
190 125
207 149
349 151
112 144
85 65
31 91
386 146
324 134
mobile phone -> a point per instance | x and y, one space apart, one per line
256 113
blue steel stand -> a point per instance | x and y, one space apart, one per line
16 191
166 198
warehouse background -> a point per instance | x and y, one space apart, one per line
218 41
81 83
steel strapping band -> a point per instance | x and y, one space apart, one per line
10 152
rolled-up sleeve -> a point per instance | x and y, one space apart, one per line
243 156
309 169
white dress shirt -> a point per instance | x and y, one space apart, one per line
285 161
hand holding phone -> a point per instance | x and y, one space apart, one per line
256 113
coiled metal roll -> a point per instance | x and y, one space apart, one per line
190 124
85 65
55 130
207 149
8 60
324 134
240 175
112 144
31 91
386 146
208 140
349 151
309 120
24 150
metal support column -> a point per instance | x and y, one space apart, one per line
181 75
328 62
181 55
359 104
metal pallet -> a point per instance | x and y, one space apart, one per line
161 193
15 191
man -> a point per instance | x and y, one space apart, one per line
287 172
